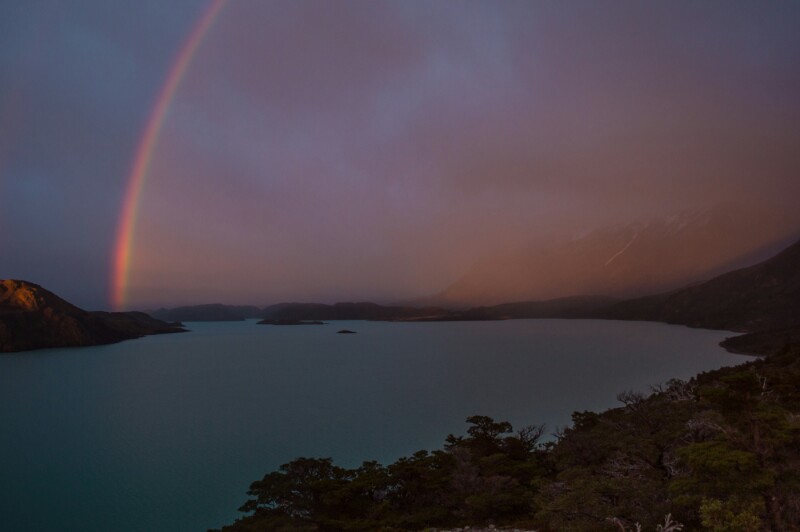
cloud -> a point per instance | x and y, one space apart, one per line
321 150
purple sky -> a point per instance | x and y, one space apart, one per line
376 150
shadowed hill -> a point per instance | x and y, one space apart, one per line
211 312
34 318
560 308
762 300
763 297
348 311
627 261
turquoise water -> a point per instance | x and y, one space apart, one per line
165 433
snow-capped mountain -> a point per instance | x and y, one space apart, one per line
628 260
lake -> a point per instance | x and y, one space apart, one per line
165 433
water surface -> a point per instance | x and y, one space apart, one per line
165 433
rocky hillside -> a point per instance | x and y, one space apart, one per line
34 318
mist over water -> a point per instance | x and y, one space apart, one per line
167 432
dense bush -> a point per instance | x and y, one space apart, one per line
720 452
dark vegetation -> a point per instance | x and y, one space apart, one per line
34 318
764 342
763 297
762 301
720 452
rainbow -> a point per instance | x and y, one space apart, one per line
144 153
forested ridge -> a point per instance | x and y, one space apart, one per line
720 452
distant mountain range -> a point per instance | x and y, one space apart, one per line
211 312
762 300
760 297
574 307
34 318
626 261
292 312
349 311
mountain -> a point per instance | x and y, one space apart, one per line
627 261
559 308
347 311
34 318
211 312
762 297
762 300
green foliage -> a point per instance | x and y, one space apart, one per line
720 452
731 515
716 469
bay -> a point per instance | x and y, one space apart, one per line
166 432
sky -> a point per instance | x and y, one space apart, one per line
354 150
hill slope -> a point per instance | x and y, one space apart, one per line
626 261
347 311
719 452
762 297
34 318
762 300
210 312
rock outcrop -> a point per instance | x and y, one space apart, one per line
32 317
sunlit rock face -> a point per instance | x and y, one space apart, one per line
32 317
24 296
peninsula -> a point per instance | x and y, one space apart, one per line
32 317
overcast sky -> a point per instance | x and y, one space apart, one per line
375 150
